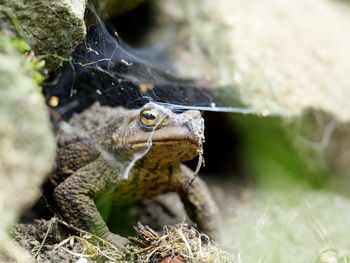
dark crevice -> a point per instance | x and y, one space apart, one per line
134 27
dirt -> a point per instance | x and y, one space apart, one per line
42 239
55 241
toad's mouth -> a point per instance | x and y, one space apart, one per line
165 141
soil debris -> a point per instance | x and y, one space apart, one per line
57 241
177 244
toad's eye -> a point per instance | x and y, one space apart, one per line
149 117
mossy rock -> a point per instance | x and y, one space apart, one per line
27 144
52 28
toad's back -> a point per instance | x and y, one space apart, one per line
76 146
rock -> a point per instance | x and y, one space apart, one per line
287 226
52 28
276 55
27 144
273 56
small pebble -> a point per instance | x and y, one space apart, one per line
53 101
82 260
35 243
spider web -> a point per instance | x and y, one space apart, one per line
103 68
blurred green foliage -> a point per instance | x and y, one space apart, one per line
33 64
271 158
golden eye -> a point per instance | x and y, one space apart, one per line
149 117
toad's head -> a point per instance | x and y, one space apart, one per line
160 134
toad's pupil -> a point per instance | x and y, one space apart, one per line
149 116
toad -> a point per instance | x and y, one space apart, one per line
130 155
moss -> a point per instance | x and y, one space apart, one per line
33 65
50 27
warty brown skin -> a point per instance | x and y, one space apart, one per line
95 152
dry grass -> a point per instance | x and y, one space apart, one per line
179 241
49 241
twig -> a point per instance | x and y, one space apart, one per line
185 241
143 250
45 237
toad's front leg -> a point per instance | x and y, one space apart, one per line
76 196
198 202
